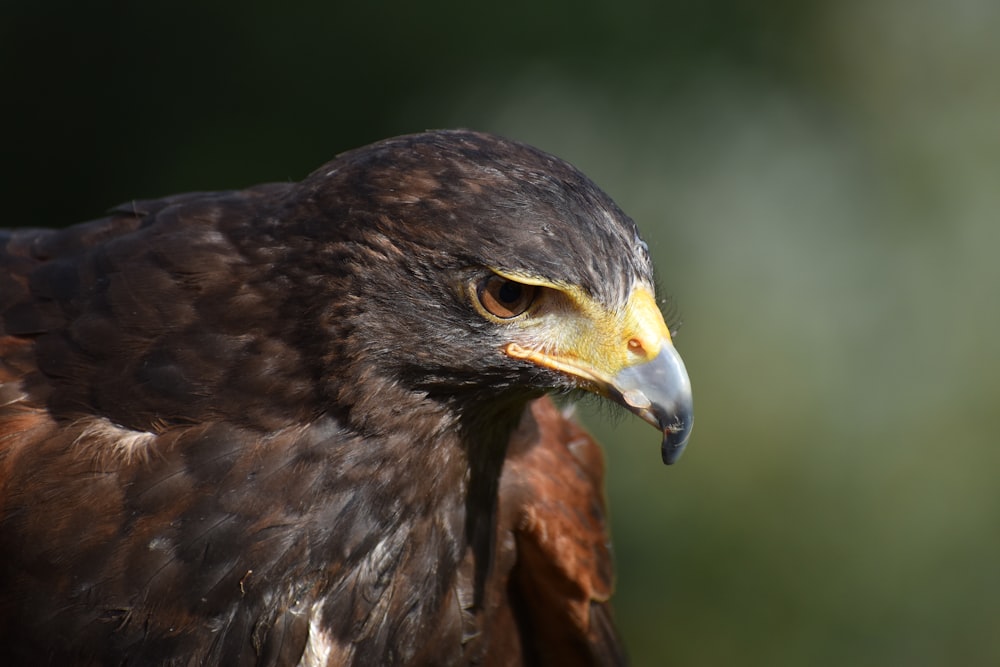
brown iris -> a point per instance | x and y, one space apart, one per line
505 298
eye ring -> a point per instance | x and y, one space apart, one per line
503 298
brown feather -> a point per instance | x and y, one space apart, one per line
552 500
262 427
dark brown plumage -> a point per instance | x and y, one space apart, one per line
300 423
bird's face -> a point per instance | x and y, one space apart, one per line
502 271
624 354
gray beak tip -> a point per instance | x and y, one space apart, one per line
674 442
659 392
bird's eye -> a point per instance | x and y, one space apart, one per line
505 298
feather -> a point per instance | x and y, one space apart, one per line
268 427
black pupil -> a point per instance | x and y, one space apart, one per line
509 292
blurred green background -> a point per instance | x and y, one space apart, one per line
820 184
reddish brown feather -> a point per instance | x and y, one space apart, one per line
552 501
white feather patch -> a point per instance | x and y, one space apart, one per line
319 647
105 439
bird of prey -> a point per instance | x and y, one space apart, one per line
307 424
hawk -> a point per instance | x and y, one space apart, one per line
307 424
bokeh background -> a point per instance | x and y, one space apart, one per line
819 182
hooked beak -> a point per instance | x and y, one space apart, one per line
659 391
629 358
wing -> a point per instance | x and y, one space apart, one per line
146 316
126 521
171 489
552 511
